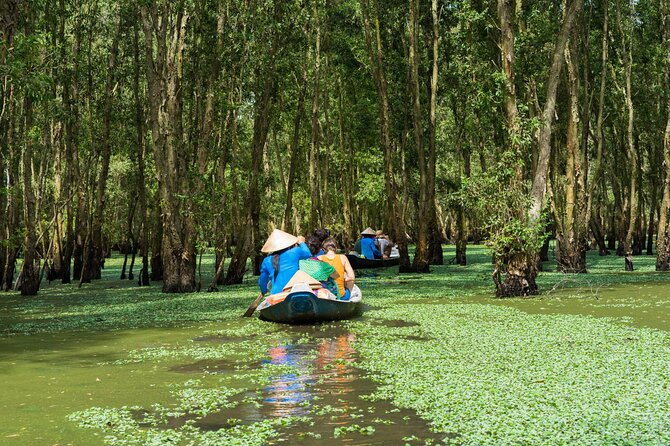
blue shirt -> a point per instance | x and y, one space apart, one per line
369 249
288 266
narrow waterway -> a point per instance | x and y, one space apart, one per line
330 390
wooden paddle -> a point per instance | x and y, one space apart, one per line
253 306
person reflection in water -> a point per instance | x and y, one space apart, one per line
289 393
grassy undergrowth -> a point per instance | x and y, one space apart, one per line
479 370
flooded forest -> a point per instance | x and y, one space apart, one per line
515 154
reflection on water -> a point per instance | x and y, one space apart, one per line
290 394
324 385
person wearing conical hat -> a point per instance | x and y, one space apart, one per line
368 248
286 252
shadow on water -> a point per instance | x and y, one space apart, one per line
325 385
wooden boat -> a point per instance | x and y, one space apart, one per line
363 263
303 307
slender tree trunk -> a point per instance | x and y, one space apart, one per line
29 277
9 14
249 237
595 177
461 217
375 54
522 266
663 239
141 155
96 254
295 151
435 238
347 169
572 218
539 185
314 193
631 149
425 205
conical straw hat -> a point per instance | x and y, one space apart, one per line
279 240
302 277
368 231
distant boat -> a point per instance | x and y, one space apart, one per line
303 307
363 263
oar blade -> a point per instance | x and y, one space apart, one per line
253 306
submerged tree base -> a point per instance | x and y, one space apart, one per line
519 278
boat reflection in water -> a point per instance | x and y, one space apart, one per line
328 373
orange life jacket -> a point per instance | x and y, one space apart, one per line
336 263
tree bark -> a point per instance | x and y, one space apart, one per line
295 151
539 184
663 238
314 189
96 254
165 29
435 238
630 146
596 172
29 277
421 255
572 218
141 156
521 268
375 55
249 238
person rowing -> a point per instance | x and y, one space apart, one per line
286 252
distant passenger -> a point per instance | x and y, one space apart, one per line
322 234
383 243
368 248
277 269
314 245
345 273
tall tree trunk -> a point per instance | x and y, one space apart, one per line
295 151
435 238
70 101
9 15
348 180
663 239
425 205
596 176
522 266
141 155
29 278
375 54
249 236
571 218
539 185
630 145
96 254
465 171
314 189
165 30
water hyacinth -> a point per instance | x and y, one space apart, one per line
584 363
501 375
